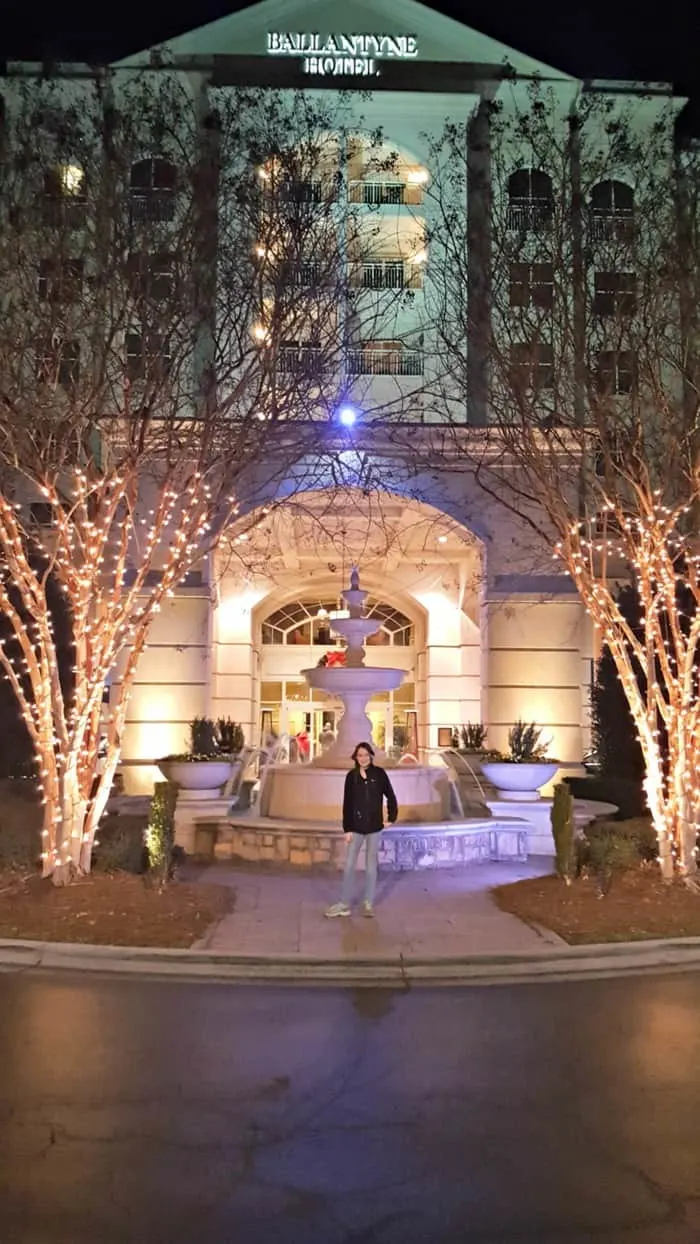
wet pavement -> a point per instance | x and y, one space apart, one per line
158 1112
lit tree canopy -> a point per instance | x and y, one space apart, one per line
171 345
571 323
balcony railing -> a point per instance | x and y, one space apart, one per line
152 207
385 193
612 226
385 363
303 191
530 215
301 360
304 274
383 274
63 211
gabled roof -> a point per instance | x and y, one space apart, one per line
439 38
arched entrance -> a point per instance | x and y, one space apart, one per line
423 572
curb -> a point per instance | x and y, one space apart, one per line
553 964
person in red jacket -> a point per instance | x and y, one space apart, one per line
367 787
304 746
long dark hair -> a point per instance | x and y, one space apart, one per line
368 748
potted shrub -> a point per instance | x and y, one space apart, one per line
471 738
521 773
203 770
229 737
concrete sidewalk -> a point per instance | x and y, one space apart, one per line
436 914
434 927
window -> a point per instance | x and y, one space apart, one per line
530 201
299 623
147 354
532 285
152 190
615 293
612 211
532 365
64 201
60 281
616 371
384 358
151 275
58 362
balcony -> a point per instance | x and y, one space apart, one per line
391 361
152 207
532 215
611 226
385 193
63 211
303 192
296 359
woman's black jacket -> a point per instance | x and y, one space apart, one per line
363 801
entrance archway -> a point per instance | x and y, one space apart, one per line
423 572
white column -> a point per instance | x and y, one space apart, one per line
452 666
233 663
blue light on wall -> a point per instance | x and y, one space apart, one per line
347 416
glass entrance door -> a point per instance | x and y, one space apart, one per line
324 727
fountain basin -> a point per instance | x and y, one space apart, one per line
364 679
312 793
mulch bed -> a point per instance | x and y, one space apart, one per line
111 909
639 905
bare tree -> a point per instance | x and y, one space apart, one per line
570 324
175 279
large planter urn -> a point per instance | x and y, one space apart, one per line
197 779
518 779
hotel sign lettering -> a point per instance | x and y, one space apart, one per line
348 55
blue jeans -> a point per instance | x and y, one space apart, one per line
354 849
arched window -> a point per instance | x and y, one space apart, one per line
612 211
152 188
530 200
64 200
307 622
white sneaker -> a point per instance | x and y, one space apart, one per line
338 909
367 909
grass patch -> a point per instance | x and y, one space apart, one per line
110 909
638 906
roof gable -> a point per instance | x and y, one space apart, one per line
438 38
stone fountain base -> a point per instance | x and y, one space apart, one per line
311 793
284 844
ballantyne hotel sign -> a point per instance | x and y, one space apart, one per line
352 55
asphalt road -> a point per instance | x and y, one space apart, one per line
135 1110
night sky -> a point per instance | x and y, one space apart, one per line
596 38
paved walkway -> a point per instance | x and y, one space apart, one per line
438 913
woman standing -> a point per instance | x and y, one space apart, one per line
366 788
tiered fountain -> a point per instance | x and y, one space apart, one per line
315 791
354 683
